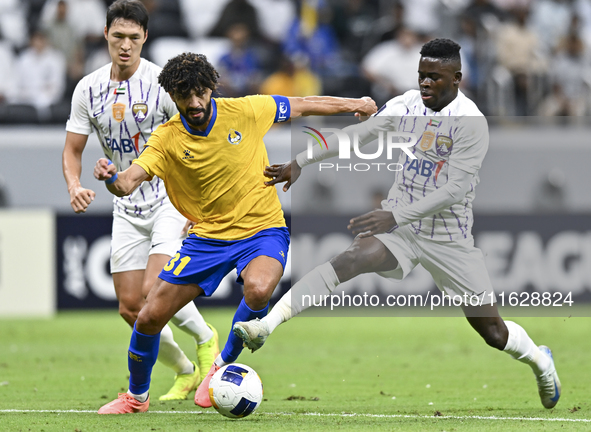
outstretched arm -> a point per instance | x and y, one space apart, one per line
327 105
80 197
119 183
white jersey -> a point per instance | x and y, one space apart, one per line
123 115
457 136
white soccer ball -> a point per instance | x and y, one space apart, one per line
236 390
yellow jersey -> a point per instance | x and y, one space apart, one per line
215 177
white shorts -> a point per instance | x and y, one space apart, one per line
135 238
457 267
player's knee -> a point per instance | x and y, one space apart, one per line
149 321
257 296
128 314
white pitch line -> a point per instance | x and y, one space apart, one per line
554 419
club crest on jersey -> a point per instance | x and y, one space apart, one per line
426 140
234 137
118 111
187 155
444 145
140 111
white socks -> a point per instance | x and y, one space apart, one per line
189 320
171 355
314 285
141 397
219 361
522 348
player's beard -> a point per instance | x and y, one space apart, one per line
197 122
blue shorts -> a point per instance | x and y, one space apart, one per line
206 262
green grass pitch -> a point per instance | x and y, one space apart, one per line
407 374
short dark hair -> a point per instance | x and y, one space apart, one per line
133 10
186 72
444 49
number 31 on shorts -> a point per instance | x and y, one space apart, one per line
181 265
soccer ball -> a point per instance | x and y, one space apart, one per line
235 390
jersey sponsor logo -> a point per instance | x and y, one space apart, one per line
427 140
444 145
187 155
140 111
118 111
234 137
124 145
425 167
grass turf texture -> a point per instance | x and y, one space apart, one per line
325 366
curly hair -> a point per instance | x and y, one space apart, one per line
443 49
186 72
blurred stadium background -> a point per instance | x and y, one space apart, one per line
526 64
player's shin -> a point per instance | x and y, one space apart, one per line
189 320
233 346
310 289
143 351
522 348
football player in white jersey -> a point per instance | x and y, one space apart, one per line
123 103
427 217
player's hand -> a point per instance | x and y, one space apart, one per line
188 225
374 222
80 198
367 109
103 170
288 172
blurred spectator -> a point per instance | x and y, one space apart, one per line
508 5
422 16
311 36
485 14
6 69
239 69
40 73
468 40
13 22
550 19
293 78
64 38
518 50
352 20
275 17
568 72
87 17
200 16
392 65
237 12
165 20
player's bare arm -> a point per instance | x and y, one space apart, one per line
80 197
374 222
126 181
327 105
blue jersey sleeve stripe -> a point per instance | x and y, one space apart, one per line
283 112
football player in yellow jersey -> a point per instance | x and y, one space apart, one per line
211 157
